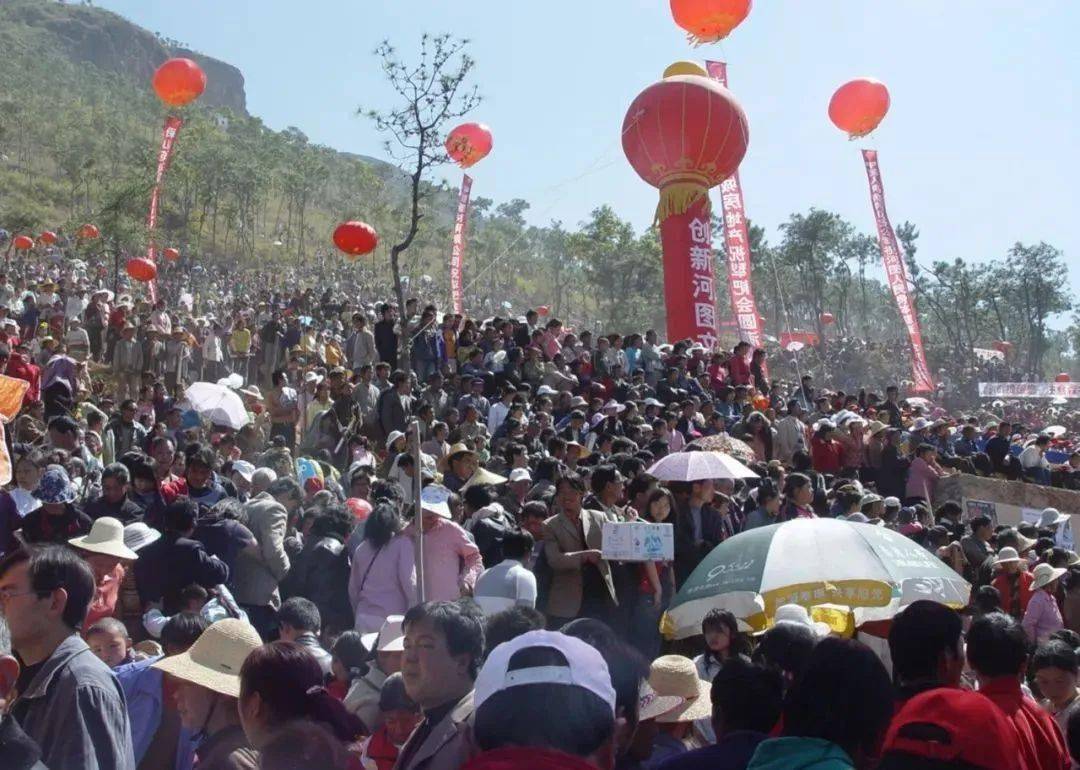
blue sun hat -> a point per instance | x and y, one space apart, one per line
55 486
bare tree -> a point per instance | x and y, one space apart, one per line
433 93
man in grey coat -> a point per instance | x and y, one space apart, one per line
360 345
68 701
260 568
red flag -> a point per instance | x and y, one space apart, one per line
457 252
168 141
896 274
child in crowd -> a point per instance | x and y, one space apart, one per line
348 657
108 639
400 715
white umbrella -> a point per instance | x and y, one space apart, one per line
918 401
695 466
217 404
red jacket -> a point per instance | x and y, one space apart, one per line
738 371
825 455
381 750
19 366
1004 586
1041 744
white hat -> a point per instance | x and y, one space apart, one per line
389 638
546 390
921 423
106 536
245 469
1045 575
313 377
1051 517
253 391
892 502
215 659
434 498
653 402
613 404
394 436
139 534
520 474
796 613
1006 555
585 667
577 402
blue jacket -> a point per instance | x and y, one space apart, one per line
732 752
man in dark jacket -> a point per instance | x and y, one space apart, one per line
176 561
386 341
746 701
17 749
698 526
396 404
488 521
114 500
320 572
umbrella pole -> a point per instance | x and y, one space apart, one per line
418 515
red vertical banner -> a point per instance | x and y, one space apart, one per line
168 142
457 251
737 245
896 274
688 275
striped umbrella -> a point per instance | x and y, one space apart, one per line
873 570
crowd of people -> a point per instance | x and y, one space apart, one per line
180 592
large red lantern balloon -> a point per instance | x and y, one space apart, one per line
859 106
1063 377
48 237
685 135
141 269
356 238
23 242
89 231
171 254
1003 346
179 81
469 143
827 319
543 311
707 21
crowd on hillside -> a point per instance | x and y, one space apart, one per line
181 590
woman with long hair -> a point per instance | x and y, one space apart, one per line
282 683
723 642
655 583
383 575
798 498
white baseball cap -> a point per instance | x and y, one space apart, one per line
520 474
585 667
245 469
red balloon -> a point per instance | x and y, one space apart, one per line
827 318
469 143
356 238
1002 346
684 135
179 81
171 254
48 237
23 242
89 231
859 106
543 311
707 21
141 269
1063 377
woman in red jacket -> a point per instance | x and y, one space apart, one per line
1012 582
825 450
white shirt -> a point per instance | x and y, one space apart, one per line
509 579
496 416
1031 457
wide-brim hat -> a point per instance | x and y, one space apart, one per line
1051 517
214 661
876 426
389 638
252 391
459 449
651 705
106 536
483 476
676 675
139 534
1007 555
55 486
1044 575
583 452
435 499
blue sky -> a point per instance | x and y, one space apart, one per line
979 149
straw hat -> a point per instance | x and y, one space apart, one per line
1007 555
676 675
459 448
1045 575
106 536
876 426
215 659
651 705
483 476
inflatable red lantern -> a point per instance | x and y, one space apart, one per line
827 319
48 237
171 254
543 311
469 143
1002 346
23 242
684 135
356 238
859 106
179 81
707 21
1063 377
89 231
141 269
